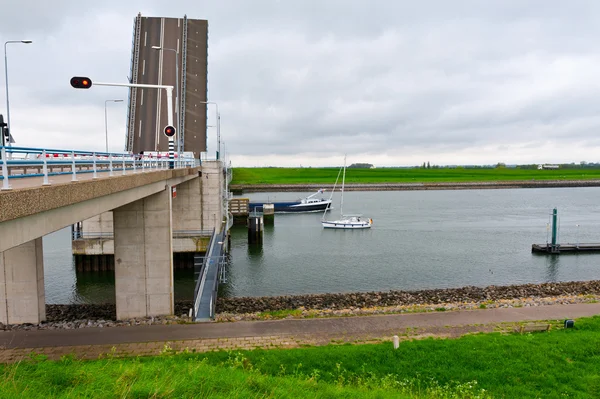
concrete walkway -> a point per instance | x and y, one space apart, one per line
90 343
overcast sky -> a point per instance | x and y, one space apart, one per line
303 82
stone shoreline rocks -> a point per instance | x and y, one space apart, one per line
395 298
331 305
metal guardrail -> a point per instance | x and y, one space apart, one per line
206 156
229 221
22 162
219 265
109 234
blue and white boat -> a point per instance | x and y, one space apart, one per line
308 204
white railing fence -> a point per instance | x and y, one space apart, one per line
22 162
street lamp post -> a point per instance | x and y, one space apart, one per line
6 80
106 120
577 236
218 125
178 131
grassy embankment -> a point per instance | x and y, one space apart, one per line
555 364
248 176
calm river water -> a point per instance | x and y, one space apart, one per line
419 240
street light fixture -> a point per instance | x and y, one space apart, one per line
6 81
218 126
106 119
178 127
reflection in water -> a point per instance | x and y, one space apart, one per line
99 287
224 290
269 229
255 251
255 248
255 239
95 287
552 264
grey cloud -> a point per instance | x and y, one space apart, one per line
308 80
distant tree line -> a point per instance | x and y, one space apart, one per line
427 165
361 165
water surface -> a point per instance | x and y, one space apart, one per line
419 240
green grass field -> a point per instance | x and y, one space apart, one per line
555 364
249 176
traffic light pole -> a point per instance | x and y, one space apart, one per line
170 116
2 127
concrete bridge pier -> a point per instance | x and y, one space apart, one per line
144 257
22 295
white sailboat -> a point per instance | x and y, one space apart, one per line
346 221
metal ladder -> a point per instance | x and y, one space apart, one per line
135 61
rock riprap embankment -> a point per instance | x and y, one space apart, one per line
329 305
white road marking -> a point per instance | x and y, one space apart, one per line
140 129
145 36
142 97
143 66
160 73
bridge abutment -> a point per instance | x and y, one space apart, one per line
144 257
212 195
22 295
187 206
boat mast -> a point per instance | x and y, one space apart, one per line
343 181
331 195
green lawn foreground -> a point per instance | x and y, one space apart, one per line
555 364
250 176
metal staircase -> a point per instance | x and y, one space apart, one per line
209 271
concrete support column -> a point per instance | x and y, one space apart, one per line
22 295
187 206
144 257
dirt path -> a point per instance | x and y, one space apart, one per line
91 343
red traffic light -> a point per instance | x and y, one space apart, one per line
81 82
169 131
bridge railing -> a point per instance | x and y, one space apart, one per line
221 260
109 235
201 273
211 272
22 162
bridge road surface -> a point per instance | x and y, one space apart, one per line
171 33
145 112
155 67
